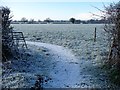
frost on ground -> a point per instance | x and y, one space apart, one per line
68 57
57 65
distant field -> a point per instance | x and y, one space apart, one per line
77 37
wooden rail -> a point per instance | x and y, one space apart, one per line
18 37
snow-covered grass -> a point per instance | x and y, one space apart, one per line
64 55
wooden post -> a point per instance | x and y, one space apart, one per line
0 33
95 35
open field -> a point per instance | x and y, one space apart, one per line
65 55
77 37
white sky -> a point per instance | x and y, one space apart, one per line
55 9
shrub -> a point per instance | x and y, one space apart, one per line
112 27
6 33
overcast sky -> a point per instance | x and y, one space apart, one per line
55 9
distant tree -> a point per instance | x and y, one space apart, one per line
77 21
48 20
91 21
39 20
31 21
84 22
24 20
72 20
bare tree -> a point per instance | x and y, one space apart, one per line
112 15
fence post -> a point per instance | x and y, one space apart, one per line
1 33
95 35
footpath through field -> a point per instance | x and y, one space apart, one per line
59 67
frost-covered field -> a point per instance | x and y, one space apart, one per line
65 55
77 37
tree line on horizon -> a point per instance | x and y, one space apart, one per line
48 20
